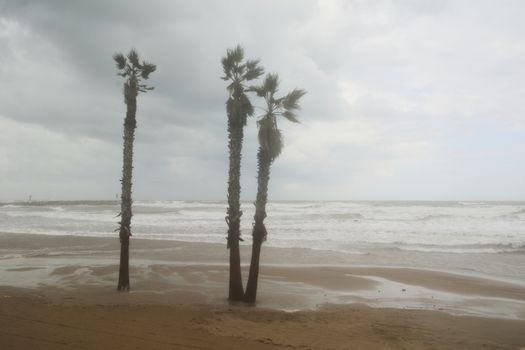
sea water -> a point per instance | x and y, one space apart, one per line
484 236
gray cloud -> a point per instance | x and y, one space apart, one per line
406 99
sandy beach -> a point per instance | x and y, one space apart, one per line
59 293
31 320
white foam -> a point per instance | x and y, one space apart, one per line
453 227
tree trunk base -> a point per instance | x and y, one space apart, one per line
251 287
236 292
123 275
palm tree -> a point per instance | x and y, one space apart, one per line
270 146
238 108
134 72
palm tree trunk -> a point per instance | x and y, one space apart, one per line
259 230
235 134
125 224
253 277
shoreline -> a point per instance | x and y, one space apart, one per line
163 267
31 245
288 289
59 292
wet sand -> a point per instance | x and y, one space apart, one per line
59 293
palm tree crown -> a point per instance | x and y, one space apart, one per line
131 68
270 138
238 72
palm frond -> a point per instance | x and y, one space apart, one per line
253 70
227 66
131 69
259 90
147 69
133 58
270 137
246 105
120 60
271 83
236 54
231 62
230 107
265 126
239 69
291 101
291 116
231 87
145 88
277 143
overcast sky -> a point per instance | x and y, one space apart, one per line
407 99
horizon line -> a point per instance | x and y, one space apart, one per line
252 200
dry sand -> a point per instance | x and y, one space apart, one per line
40 320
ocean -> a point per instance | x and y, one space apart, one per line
481 237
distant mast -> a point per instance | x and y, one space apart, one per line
30 197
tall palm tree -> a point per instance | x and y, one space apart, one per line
238 107
270 146
134 71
